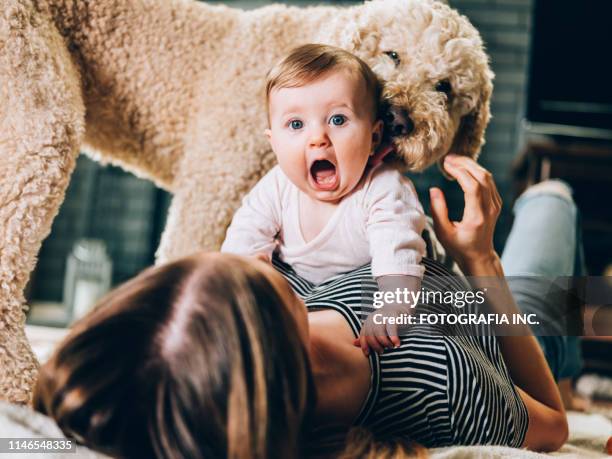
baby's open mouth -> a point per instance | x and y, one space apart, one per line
323 173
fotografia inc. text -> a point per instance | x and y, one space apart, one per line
456 319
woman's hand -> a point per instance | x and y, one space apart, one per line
470 241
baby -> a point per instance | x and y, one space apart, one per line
326 208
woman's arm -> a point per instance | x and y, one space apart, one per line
470 242
526 363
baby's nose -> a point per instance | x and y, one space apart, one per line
319 140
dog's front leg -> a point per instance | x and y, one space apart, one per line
41 125
210 186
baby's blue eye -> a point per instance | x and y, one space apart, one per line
338 120
296 124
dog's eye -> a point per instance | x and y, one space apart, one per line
444 86
393 55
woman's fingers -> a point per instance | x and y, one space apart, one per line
439 212
475 193
472 237
482 176
498 199
476 170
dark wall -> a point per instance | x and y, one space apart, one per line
128 213
105 203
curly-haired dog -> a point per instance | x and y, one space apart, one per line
172 90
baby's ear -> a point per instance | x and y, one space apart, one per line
377 131
268 134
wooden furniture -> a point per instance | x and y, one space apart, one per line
587 167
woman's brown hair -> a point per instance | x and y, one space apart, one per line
186 360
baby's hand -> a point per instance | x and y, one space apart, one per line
377 333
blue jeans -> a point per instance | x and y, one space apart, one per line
545 241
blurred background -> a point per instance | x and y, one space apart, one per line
552 117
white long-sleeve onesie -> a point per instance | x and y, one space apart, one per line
380 221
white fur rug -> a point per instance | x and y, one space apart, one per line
588 436
587 439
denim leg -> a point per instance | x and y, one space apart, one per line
544 243
543 237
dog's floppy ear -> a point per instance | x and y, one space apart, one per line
470 136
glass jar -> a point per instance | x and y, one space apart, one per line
88 277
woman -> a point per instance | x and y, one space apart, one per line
215 356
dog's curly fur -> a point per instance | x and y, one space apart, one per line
172 90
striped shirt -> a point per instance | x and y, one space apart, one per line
443 385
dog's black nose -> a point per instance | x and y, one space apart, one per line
401 124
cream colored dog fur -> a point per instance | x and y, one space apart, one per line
172 90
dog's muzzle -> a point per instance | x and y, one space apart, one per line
398 121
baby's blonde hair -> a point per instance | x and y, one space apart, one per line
306 63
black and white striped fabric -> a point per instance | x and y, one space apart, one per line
438 388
